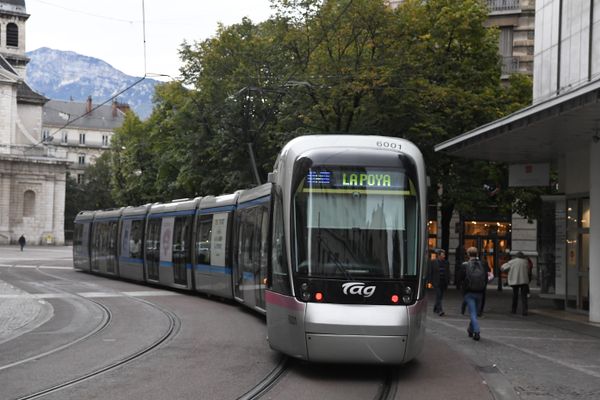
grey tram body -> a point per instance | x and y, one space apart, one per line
224 246
343 332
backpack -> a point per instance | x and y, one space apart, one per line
475 277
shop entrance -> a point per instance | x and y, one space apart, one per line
492 239
578 254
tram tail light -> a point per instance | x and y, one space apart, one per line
395 298
319 296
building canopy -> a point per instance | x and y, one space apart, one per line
539 133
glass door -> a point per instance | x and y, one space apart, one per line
492 239
578 254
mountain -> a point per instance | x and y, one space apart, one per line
65 75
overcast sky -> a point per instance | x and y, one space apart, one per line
112 30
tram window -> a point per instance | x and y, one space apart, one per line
359 232
203 239
181 233
264 238
135 238
77 236
279 280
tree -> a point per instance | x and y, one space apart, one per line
91 194
427 71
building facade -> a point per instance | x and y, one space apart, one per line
559 132
32 175
82 130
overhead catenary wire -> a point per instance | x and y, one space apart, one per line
110 99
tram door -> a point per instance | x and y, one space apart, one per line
251 255
181 249
152 253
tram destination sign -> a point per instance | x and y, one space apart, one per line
357 179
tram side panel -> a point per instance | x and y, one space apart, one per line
168 250
285 314
104 246
131 263
81 241
251 250
212 272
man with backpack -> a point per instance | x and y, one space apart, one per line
473 277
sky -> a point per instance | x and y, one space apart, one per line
113 30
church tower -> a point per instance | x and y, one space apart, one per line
12 34
32 173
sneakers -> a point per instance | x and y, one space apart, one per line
441 314
470 332
476 336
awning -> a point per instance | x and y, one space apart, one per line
539 133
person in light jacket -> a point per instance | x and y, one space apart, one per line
518 279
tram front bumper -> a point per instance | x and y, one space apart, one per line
356 334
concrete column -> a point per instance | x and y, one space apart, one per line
595 232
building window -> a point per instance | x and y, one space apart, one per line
104 140
79 179
65 138
510 64
12 35
82 138
29 203
45 135
82 159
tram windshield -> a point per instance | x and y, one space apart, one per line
356 223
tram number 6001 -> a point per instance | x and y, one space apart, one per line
389 145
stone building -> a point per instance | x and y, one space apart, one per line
88 134
32 175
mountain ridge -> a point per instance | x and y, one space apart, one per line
70 76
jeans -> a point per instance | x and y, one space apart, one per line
473 300
439 296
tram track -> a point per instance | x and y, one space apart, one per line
388 390
268 382
174 324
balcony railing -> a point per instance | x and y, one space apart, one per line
503 5
510 65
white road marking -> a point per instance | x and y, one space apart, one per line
34 266
89 295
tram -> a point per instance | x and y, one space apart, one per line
332 249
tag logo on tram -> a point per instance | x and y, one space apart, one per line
358 288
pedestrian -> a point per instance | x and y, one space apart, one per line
486 267
438 277
473 278
518 279
22 242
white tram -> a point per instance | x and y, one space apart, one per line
332 249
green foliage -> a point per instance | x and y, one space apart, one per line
427 71
92 194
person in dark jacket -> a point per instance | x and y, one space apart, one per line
22 242
438 277
471 297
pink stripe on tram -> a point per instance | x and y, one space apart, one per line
280 300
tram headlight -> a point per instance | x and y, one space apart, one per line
305 296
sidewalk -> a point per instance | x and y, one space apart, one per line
549 354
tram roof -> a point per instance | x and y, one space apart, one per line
136 210
219 201
176 205
112 213
255 193
85 216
